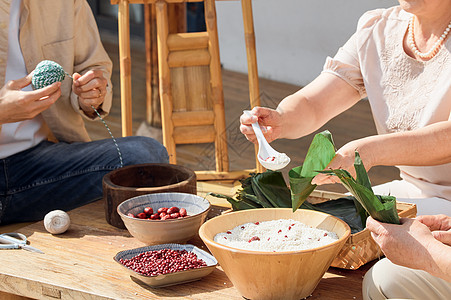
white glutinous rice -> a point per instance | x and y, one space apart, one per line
275 236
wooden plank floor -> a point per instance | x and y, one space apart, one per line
355 123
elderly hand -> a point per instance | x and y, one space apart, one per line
409 244
17 105
91 90
269 119
440 225
343 159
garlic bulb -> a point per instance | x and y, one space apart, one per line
56 222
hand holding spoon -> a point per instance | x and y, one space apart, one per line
267 156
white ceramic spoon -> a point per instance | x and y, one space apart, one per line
267 156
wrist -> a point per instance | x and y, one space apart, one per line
440 265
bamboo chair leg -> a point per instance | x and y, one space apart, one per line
165 80
125 67
249 37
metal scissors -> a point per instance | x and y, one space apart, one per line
14 240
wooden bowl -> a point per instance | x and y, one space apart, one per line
153 232
135 180
274 275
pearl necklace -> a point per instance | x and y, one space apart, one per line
434 50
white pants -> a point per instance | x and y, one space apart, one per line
386 280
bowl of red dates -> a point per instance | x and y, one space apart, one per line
163 218
166 264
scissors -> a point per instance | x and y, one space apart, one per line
14 240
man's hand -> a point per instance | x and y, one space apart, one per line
90 89
17 105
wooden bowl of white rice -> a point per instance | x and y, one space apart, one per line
273 253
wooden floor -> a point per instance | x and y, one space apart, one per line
355 123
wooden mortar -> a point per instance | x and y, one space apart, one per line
135 180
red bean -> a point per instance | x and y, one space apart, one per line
131 215
153 263
175 215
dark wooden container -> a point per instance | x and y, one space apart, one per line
130 181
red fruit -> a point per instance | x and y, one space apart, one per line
162 215
142 216
148 211
182 212
155 216
166 217
175 215
131 215
173 209
162 209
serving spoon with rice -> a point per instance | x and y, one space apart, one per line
267 156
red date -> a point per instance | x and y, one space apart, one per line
163 213
148 211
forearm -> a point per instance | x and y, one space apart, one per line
430 145
441 265
311 107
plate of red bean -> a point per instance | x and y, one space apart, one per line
166 264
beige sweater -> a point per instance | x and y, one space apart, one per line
65 32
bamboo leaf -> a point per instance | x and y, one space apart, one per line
381 208
319 155
271 189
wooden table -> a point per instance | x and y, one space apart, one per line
79 265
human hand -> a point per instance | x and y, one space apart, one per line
17 105
343 159
440 226
269 119
90 89
407 244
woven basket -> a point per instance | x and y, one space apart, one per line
360 248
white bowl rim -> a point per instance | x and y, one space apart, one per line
164 194
245 251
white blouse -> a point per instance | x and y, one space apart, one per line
404 94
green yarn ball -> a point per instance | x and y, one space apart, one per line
46 73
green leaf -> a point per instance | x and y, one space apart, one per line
381 208
301 187
319 155
271 189
343 208
241 204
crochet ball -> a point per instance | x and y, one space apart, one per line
46 73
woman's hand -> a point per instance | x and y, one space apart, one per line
17 105
409 244
269 119
90 89
440 225
343 159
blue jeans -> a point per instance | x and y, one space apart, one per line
65 176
